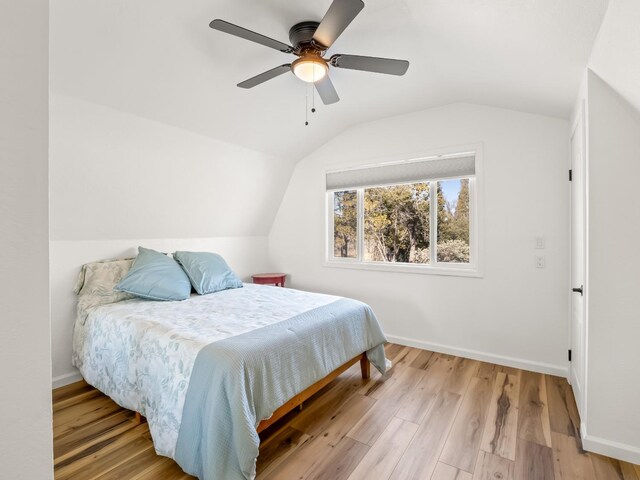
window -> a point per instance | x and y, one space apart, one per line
453 221
418 213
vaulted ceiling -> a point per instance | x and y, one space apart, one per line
158 59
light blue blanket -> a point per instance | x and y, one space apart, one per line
239 381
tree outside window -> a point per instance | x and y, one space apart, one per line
398 223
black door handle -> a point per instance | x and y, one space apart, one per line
579 290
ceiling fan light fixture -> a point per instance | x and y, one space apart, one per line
309 41
310 68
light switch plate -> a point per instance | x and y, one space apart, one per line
540 243
540 261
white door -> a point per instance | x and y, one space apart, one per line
578 215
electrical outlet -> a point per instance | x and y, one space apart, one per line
539 261
540 243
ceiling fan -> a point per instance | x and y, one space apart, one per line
310 42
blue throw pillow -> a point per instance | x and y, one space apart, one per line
207 271
155 276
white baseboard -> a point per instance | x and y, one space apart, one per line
66 379
609 448
558 370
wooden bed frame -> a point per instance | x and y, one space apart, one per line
365 368
296 401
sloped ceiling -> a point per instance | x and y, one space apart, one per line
616 53
158 59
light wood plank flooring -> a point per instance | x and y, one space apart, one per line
433 416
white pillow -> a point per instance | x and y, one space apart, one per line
96 281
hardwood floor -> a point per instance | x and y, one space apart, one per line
433 416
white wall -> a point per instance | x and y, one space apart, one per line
119 181
118 176
611 94
25 362
612 424
516 314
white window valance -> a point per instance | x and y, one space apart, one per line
403 172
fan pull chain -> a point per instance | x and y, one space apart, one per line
306 108
313 98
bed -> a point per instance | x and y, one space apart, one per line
210 372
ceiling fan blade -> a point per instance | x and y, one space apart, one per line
340 14
389 66
326 90
232 29
263 77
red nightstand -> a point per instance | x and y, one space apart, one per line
269 279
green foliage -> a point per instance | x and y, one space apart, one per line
453 226
459 228
453 251
396 222
345 223
453 219
422 255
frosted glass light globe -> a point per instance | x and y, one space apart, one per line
310 68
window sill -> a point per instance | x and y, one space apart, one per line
404 268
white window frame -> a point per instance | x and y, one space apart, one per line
471 269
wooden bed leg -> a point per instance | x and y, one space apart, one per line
139 418
365 367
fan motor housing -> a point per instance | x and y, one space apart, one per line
301 34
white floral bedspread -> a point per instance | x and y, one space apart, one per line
141 352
